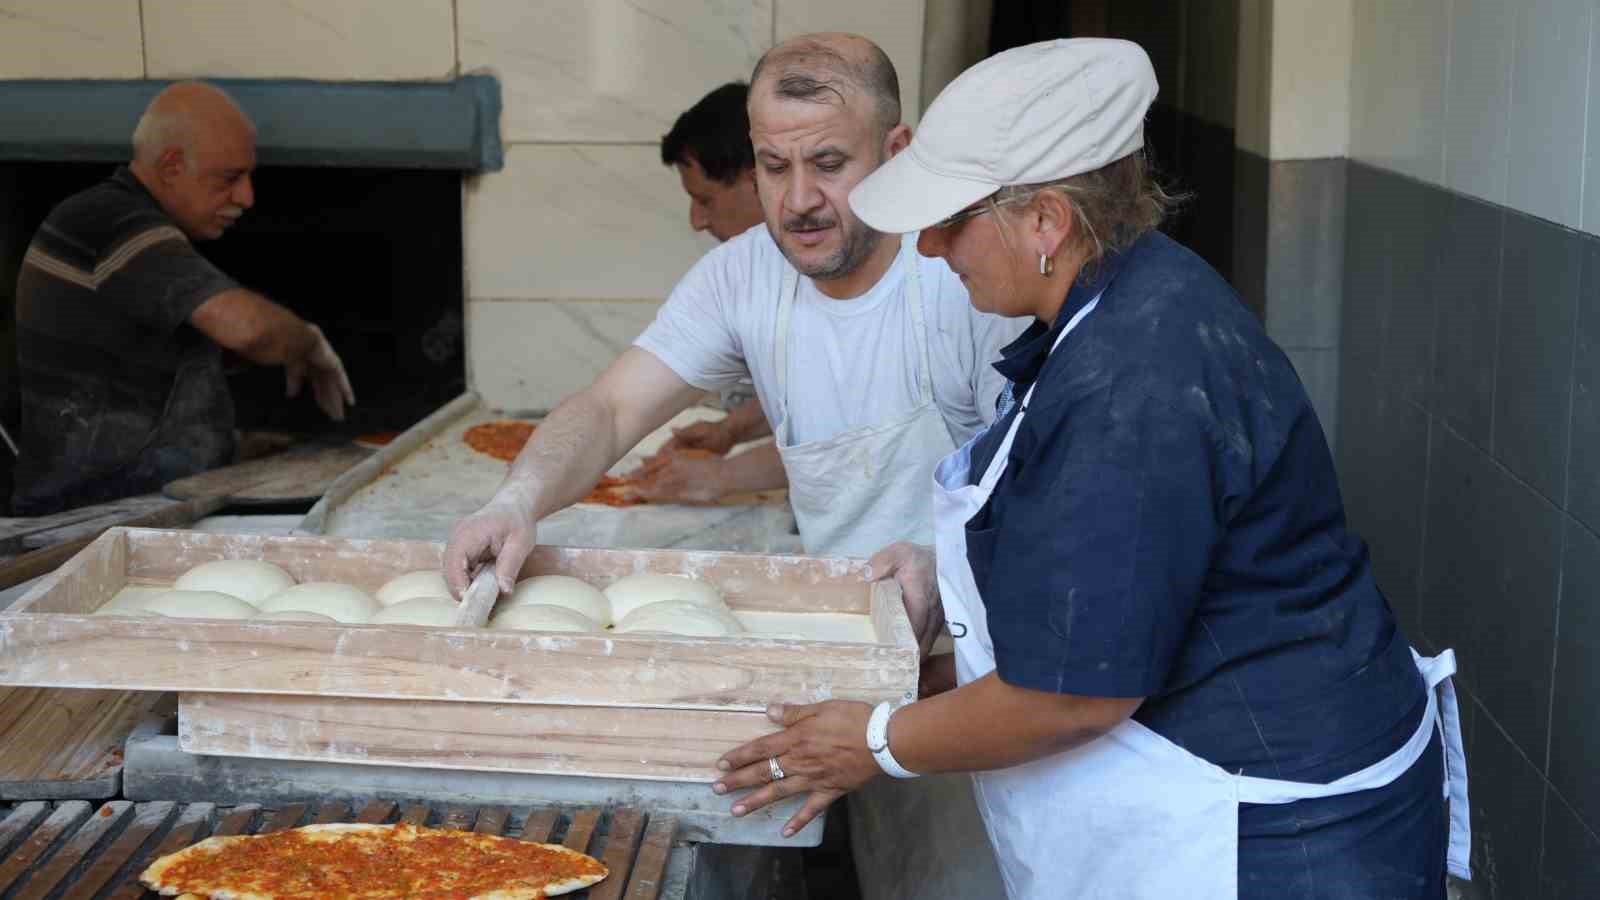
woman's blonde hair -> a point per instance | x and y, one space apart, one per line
1113 206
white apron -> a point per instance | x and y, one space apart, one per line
1132 814
863 489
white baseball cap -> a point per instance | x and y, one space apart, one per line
1029 115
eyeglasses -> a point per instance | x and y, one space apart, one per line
973 212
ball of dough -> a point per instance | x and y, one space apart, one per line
251 580
294 615
200 605
342 602
411 585
679 617
630 593
130 601
542 617
418 611
561 590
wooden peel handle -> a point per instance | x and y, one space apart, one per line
478 600
46 559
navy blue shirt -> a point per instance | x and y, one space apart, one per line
1169 526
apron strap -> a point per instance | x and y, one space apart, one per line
991 475
789 289
1442 715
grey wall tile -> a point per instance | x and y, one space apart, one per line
1491 559
1382 472
1465 274
1366 270
1319 372
1583 468
1571 864
1533 374
1406 357
1305 252
1507 807
1575 720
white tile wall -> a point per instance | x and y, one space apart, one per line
894 25
532 354
1310 104
1549 80
56 39
378 40
608 70
1397 85
1591 162
1478 99
584 221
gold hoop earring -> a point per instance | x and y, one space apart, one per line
1047 265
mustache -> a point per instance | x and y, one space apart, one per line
808 223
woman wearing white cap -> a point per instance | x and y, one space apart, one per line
1174 674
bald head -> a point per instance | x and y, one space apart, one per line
194 150
831 68
187 116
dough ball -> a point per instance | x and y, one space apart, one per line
680 617
411 585
561 590
200 605
630 593
341 602
251 580
130 601
418 611
542 617
294 615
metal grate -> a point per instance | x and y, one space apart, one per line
75 851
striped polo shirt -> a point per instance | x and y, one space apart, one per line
120 394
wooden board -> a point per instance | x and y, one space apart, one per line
56 743
658 744
48 638
301 475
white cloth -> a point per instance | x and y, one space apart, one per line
862 489
1132 814
854 362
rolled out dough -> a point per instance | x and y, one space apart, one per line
418 611
200 605
293 615
561 590
251 580
633 591
411 585
343 602
682 618
542 617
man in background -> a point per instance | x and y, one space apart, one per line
709 145
121 323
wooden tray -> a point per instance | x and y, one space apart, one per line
650 706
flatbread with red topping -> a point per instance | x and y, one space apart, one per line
371 862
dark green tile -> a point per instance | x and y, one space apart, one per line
1466 285
1507 797
1575 725
1491 561
1533 373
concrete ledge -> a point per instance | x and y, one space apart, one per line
429 125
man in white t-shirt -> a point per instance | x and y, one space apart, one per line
869 360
